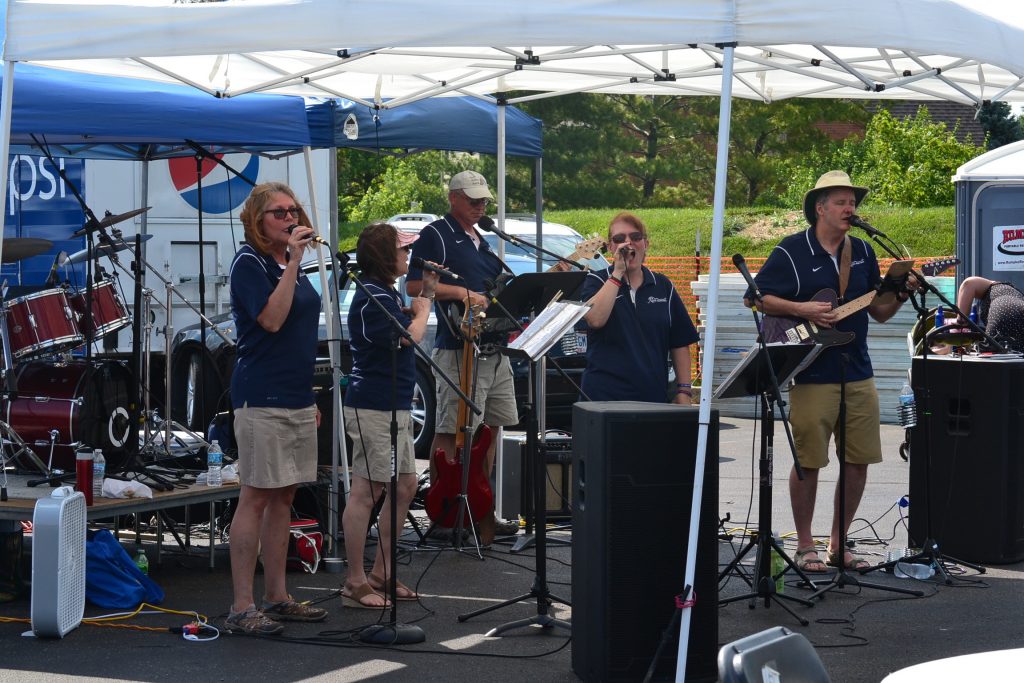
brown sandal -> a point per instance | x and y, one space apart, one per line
804 563
356 597
403 592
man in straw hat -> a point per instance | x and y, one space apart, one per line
822 257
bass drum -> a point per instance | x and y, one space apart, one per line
84 404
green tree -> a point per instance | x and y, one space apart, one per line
905 162
1001 126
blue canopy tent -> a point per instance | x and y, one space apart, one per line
457 124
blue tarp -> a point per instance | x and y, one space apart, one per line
101 117
458 124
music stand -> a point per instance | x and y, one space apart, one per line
549 325
758 374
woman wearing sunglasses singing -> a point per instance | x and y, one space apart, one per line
276 312
637 323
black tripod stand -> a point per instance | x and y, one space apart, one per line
545 329
931 553
841 579
757 376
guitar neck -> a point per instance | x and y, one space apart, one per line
851 307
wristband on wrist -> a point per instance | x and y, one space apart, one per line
684 385
615 281
687 392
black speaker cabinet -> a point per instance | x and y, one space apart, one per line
633 481
965 458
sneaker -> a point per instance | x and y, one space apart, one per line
252 622
290 610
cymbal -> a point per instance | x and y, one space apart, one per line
112 219
106 249
18 248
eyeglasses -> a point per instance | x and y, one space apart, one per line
633 237
281 214
475 203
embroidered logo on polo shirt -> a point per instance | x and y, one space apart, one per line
857 263
656 300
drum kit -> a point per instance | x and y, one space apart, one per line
57 397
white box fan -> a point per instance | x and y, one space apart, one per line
58 563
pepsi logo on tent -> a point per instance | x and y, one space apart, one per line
223 191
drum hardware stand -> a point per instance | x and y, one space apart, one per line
51 476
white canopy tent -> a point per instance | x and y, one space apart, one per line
967 51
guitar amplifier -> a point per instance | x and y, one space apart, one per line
511 487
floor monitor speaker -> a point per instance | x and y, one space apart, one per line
633 485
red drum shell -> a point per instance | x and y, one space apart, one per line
41 323
109 312
84 404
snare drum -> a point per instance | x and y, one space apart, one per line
41 323
109 312
82 403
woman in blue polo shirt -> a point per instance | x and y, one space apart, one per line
276 312
383 256
636 322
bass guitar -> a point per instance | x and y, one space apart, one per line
589 248
789 329
465 477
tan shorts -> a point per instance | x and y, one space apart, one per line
276 446
495 392
814 416
370 431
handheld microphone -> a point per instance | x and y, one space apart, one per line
741 265
417 262
314 238
859 222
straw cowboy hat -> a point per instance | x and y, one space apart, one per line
828 181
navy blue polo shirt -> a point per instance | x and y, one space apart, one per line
372 338
445 243
797 269
627 358
273 369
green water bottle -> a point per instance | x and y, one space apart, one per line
142 562
778 567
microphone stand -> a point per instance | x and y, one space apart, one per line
487 224
930 553
394 633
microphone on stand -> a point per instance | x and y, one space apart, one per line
859 222
417 262
61 259
741 265
315 238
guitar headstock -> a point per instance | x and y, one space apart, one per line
589 248
936 267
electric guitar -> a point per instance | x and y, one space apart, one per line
442 500
589 248
790 329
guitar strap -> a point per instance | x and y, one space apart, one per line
844 267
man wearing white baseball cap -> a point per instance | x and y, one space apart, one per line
454 243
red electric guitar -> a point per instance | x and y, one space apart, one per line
442 500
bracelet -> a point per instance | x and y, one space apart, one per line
684 385
685 391
615 281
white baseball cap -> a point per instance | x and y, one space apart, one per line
471 183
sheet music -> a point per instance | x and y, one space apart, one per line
548 327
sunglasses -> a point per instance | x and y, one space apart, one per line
475 203
633 237
281 214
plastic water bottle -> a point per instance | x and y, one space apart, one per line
778 568
908 407
974 313
142 562
940 317
214 462
99 470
